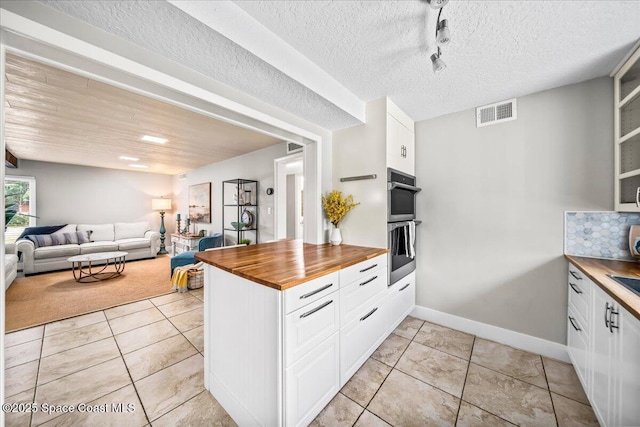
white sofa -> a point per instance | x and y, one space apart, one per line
135 238
10 264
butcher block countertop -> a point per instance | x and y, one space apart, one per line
286 263
597 269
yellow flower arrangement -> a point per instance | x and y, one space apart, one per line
337 207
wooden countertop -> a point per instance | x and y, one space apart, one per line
597 270
287 263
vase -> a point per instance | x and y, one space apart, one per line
336 236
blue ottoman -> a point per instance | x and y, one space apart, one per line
186 258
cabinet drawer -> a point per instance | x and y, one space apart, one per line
308 326
401 299
578 346
359 339
579 289
311 383
359 294
310 291
362 269
579 280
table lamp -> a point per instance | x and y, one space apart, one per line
161 205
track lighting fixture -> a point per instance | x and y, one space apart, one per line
437 62
443 36
437 4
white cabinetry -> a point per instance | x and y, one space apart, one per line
627 134
401 300
400 142
603 341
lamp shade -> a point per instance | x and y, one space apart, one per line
161 204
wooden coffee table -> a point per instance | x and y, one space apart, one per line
84 270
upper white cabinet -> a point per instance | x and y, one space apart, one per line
627 134
400 141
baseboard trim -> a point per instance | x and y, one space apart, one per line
494 333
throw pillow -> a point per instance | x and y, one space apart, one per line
77 238
41 240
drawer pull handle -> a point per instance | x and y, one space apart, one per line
575 275
312 293
368 268
576 289
368 314
606 315
612 325
369 281
404 287
571 319
310 312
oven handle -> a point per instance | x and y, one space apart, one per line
392 185
393 225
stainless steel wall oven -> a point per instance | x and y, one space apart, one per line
401 196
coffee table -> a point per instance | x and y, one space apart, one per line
87 273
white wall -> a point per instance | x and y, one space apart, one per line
491 245
257 165
82 194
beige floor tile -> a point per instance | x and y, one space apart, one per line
573 414
166 299
135 320
563 380
72 323
366 382
22 353
444 339
434 367
20 378
152 358
75 338
510 361
171 387
406 401
198 293
509 398
76 359
23 336
145 335
196 337
391 349
367 419
181 306
189 320
341 411
14 417
123 310
409 327
81 387
130 414
472 416
202 410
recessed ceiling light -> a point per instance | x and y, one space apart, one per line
138 166
155 139
131 159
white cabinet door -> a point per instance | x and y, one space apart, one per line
628 369
401 299
400 146
578 347
312 382
602 361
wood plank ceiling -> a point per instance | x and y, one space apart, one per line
57 116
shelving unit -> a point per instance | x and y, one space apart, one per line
240 204
627 135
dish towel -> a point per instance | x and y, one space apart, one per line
412 239
180 278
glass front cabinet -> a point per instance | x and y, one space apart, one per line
627 134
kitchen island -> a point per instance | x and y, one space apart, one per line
288 323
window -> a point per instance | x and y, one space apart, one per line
20 205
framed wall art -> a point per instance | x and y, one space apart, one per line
200 203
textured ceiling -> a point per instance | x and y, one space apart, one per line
499 49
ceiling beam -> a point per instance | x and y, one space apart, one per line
234 23
10 161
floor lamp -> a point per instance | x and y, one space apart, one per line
161 205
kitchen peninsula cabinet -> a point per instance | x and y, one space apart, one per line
287 324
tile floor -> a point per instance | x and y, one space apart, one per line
148 356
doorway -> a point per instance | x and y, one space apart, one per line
289 192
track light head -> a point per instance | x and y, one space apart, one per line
437 4
443 36
437 63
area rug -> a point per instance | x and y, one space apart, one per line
44 298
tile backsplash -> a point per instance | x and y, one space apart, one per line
599 234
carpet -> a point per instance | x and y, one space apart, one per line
43 298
